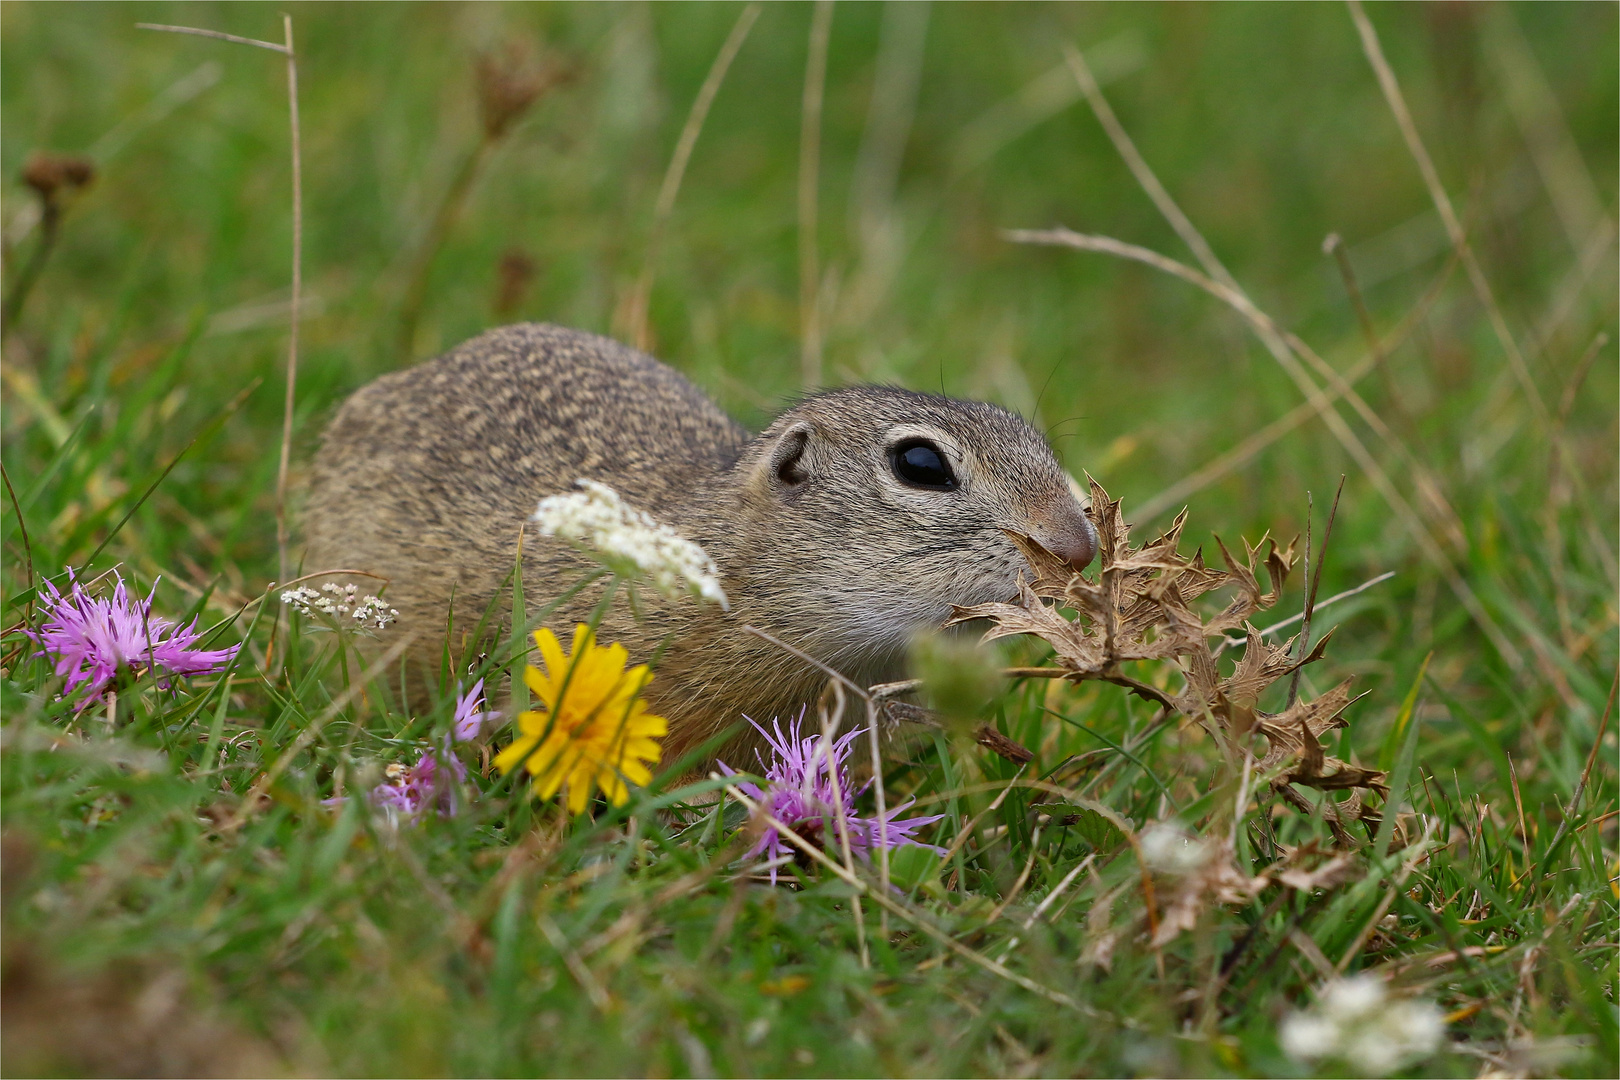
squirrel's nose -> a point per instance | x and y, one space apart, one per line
1071 537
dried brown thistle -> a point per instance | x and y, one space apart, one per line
1139 608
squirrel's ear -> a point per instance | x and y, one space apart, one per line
786 461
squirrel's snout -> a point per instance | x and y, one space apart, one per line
1071 537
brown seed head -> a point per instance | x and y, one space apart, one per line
49 173
510 81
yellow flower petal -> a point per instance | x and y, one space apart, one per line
593 732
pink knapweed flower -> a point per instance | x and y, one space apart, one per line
94 638
471 713
798 793
414 788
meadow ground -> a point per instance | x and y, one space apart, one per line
177 899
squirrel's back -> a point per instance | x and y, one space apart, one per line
424 473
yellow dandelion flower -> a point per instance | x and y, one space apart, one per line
591 728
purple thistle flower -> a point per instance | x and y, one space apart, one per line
798 793
471 714
94 638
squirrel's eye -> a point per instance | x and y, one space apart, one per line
921 463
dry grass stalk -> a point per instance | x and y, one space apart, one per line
1266 329
815 84
1241 454
282 467
1448 215
830 722
671 187
905 912
1139 608
1285 348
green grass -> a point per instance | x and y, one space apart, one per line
154 921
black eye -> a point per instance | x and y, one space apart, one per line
921 463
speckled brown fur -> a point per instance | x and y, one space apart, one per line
426 475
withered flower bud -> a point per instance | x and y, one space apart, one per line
49 173
513 273
511 81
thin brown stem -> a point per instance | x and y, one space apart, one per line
1245 451
288 406
1273 339
218 36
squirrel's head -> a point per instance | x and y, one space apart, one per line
869 511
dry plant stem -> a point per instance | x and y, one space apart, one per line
1442 204
1018 886
292 308
1420 852
676 172
1334 599
812 661
882 811
829 731
1433 501
1310 507
1144 175
1285 347
286 49
815 83
1244 451
901 911
1545 130
1058 890
966 833
1267 331
1518 803
1310 596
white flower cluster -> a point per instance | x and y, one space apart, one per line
630 542
1172 850
338 602
1356 1021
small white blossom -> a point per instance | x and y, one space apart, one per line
1356 1021
630 542
340 602
1171 850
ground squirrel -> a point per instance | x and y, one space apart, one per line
856 519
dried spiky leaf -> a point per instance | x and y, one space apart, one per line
1139 606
